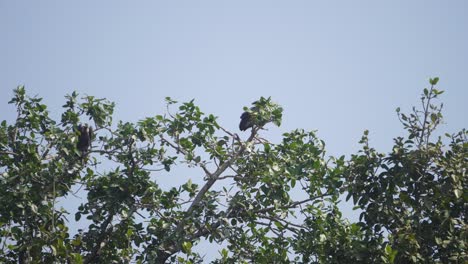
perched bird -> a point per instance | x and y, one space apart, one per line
246 121
261 113
84 139
247 118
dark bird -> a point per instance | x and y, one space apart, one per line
247 118
246 121
84 139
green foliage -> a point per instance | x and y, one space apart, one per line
265 111
40 164
417 192
263 202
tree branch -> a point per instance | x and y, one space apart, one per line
426 114
212 178
105 231
8 153
292 205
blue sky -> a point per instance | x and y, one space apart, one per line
338 67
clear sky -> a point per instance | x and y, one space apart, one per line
338 67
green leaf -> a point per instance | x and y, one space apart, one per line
33 208
293 183
54 250
224 253
434 81
278 225
438 92
388 249
266 147
76 242
186 247
77 216
78 259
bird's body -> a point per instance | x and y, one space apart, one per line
246 121
84 139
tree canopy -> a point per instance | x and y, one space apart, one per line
260 202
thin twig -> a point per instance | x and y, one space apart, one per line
292 205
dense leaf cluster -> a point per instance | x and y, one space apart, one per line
417 194
261 202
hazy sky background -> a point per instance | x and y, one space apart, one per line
338 67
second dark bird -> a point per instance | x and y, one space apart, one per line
84 139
